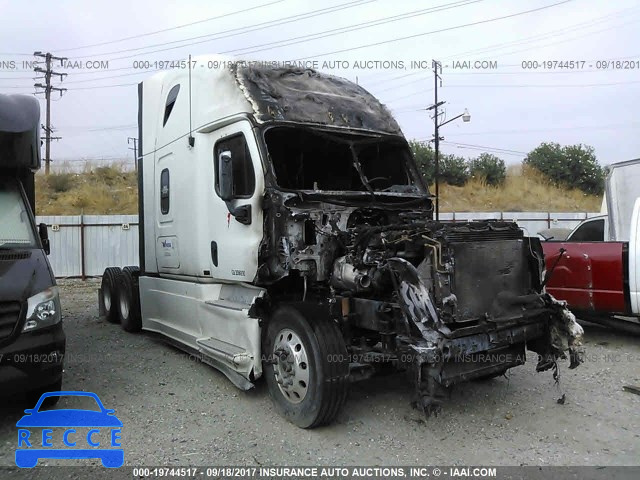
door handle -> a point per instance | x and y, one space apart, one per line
214 253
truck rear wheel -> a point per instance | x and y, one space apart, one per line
111 279
129 300
308 369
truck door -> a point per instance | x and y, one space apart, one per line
634 260
236 225
590 275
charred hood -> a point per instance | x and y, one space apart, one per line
307 96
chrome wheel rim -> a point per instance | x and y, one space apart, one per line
106 298
124 308
291 366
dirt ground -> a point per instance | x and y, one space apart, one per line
177 411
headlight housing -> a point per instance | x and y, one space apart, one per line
43 310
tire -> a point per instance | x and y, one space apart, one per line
321 383
490 376
132 269
111 279
49 402
129 301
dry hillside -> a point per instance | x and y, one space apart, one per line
113 190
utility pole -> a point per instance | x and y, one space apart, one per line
48 88
466 117
437 68
135 150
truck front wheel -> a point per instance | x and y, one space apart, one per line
307 368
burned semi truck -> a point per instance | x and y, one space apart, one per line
286 233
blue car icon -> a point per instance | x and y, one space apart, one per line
32 447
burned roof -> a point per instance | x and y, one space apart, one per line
19 132
308 96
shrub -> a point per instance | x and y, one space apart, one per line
60 182
489 168
573 166
453 170
423 155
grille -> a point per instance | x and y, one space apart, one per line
10 256
484 232
9 316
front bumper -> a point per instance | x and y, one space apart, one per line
480 351
33 361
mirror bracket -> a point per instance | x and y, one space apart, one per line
242 213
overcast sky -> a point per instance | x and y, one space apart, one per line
512 108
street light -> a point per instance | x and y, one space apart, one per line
466 117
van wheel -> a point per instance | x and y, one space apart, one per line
307 371
129 300
111 279
49 402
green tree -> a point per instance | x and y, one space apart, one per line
488 167
453 170
573 166
424 155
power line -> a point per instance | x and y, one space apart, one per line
102 86
351 28
547 85
542 36
139 72
236 31
379 91
471 146
526 40
171 28
552 129
625 24
408 37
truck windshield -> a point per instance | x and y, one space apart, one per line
16 230
313 159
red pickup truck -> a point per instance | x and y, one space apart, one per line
596 269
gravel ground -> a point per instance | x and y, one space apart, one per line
176 411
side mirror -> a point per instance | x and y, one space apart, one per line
225 171
43 233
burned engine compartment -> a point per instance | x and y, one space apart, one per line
355 252
444 302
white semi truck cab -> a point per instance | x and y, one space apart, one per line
286 233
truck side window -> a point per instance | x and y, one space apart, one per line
589 232
244 180
171 101
164 191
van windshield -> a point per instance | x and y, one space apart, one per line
16 229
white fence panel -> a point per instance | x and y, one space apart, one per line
110 241
83 246
64 237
